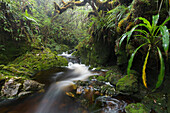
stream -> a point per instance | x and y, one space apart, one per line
57 82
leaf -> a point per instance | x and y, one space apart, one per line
166 21
165 38
130 33
162 71
31 19
143 37
123 37
144 68
132 57
155 20
144 25
146 22
142 31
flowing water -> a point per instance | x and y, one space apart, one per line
61 83
54 100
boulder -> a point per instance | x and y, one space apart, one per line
31 85
18 87
113 77
10 88
127 85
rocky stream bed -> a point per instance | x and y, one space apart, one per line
24 81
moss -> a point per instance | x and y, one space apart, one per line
98 68
1 66
113 75
136 108
25 66
156 101
127 84
98 54
13 49
91 67
100 78
32 62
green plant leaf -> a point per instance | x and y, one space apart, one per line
130 33
141 36
132 57
122 38
162 70
166 21
146 22
142 31
144 68
165 38
155 20
144 25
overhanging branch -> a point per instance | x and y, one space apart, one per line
96 5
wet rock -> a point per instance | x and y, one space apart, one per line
136 108
127 84
98 87
10 88
18 87
109 105
79 90
24 94
31 85
108 90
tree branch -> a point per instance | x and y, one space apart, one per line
96 5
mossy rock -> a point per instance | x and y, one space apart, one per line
113 75
100 78
98 69
121 58
32 62
136 108
91 67
127 84
156 101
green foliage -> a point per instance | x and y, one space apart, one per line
151 36
116 14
